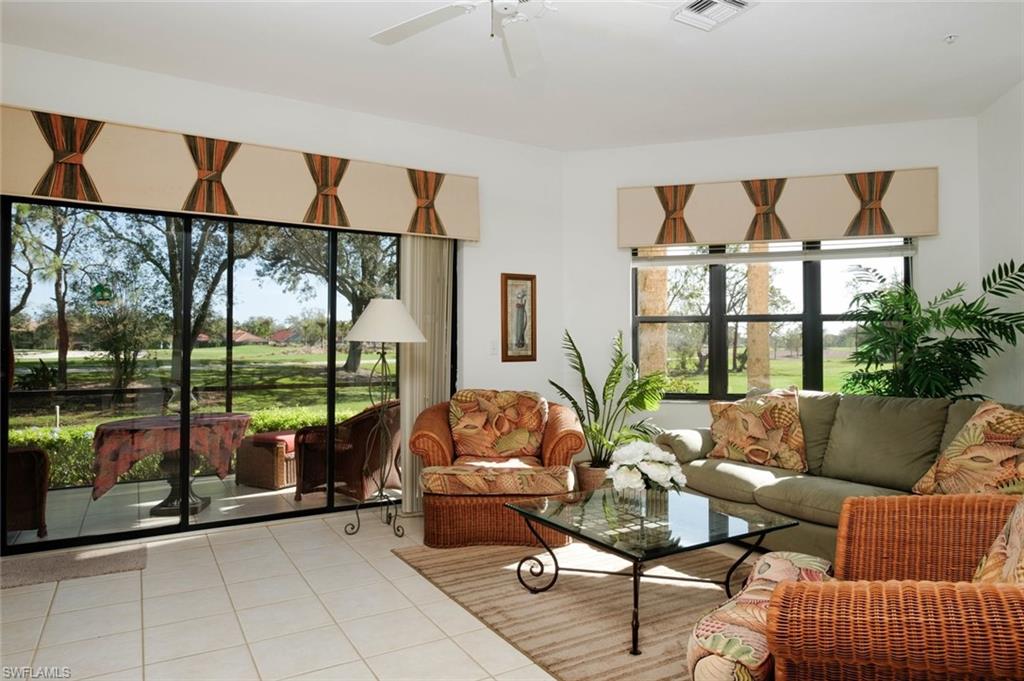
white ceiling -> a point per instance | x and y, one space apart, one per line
618 73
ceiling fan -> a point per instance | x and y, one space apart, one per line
510 22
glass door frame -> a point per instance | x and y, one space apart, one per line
7 203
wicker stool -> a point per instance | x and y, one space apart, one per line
267 460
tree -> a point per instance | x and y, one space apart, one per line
126 326
367 269
157 243
54 238
259 326
312 325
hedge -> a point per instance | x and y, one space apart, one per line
71 454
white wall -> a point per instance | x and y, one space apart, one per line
597 274
1001 184
554 214
520 186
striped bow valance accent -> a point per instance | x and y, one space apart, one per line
766 224
326 208
211 157
69 138
674 229
870 189
425 219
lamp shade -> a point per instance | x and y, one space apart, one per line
385 320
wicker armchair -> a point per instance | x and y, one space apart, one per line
903 605
357 457
470 519
28 481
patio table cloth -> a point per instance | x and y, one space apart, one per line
119 444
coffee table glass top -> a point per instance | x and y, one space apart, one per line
647 526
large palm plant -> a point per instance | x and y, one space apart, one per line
604 416
911 348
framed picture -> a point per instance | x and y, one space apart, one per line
518 318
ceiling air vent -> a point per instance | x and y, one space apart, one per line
707 14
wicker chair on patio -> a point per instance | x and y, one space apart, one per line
483 449
902 605
357 462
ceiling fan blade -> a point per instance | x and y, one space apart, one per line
427 20
522 51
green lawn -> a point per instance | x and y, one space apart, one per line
784 373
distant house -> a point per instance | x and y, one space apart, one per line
243 337
285 336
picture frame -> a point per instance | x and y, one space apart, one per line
518 317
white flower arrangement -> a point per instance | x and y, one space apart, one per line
644 465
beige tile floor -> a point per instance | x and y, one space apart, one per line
294 599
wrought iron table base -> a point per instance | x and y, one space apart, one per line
536 568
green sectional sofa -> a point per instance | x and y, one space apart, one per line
857 446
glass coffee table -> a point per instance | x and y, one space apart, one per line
642 527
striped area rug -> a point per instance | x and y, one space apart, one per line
579 630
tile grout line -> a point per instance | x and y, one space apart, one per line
46 617
320 600
234 610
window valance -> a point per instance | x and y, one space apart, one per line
901 203
53 155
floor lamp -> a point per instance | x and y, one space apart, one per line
384 320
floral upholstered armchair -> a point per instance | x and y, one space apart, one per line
915 596
485 448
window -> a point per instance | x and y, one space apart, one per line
722 320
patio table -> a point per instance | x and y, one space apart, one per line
120 444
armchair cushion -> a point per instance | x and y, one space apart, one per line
732 641
492 423
1004 561
285 437
489 476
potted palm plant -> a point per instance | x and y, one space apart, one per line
605 416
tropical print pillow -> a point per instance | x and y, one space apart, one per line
1004 561
731 643
987 455
763 429
492 423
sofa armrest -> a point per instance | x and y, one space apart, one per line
563 436
908 628
938 537
431 437
688 444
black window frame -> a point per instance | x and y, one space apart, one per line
7 202
811 319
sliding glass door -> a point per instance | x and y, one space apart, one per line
167 371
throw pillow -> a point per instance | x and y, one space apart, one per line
987 455
1004 561
493 423
763 429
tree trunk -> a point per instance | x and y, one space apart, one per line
63 336
758 340
355 348
652 300
735 347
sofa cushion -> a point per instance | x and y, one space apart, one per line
687 444
731 642
494 477
762 429
817 413
987 455
495 423
813 498
884 441
732 480
273 437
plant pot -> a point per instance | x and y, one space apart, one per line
588 479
